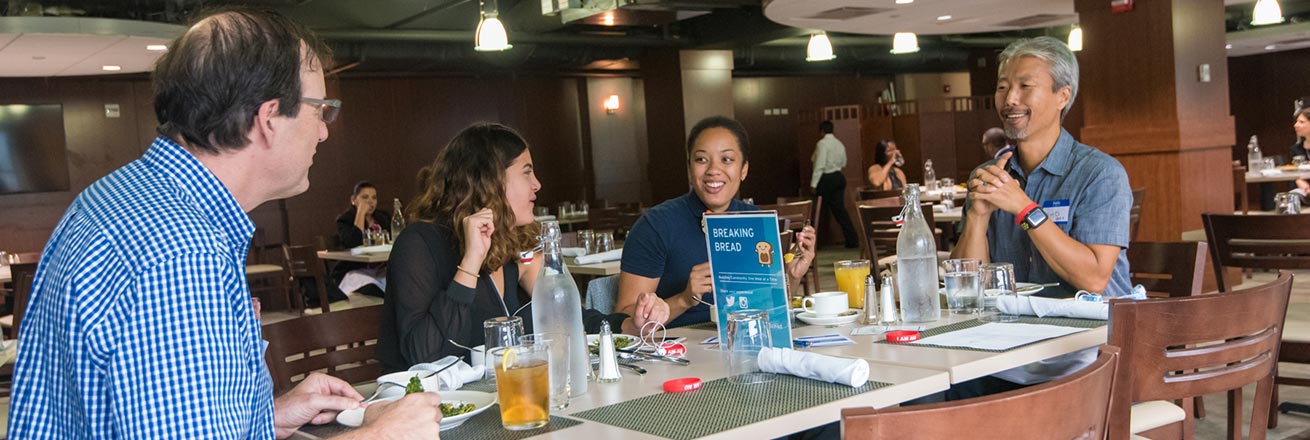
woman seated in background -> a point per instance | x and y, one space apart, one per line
665 251
885 173
363 215
1302 128
457 262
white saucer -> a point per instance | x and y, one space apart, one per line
846 317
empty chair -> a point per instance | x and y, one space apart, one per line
341 343
1135 213
601 294
868 248
1167 269
1265 242
1187 347
306 269
1074 407
1240 194
881 232
870 194
22 275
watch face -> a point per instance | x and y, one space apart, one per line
1034 219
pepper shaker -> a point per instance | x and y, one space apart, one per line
870 301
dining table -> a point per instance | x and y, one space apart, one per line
1285 173
597 269
637 407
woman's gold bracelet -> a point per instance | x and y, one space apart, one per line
461 269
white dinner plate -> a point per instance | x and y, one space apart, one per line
481 401
594 341
846 317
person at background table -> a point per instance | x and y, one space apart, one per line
153 335
828 182
1054 208
351 227
457 263
665 251
994 143
1302 128
885 173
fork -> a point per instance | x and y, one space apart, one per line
378 392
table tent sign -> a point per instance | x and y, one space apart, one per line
747 269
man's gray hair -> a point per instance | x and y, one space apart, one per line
1064 66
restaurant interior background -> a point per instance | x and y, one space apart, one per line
410 78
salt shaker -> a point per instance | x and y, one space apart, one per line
887 304
609 364
870 301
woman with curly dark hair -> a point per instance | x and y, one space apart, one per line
457 263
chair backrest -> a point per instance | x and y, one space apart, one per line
868 248
870 194
603 219
1167 269
782 200
797 212
1257 241
602 292
1175 348
1074 407
1135 213
881 231
303 262
22 275
328 341
1239 186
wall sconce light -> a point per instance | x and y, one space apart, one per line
612 104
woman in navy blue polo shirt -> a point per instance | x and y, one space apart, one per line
665 252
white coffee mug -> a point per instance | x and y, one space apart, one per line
477 355
714 313
825 304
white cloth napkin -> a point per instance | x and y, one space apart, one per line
358 278
370 249
1271 172
845 371
573 251
602 257
454 377
1060 308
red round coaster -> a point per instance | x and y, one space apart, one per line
902 336
682 385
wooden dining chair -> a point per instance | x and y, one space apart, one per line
1073 407
1135 213
1239 187
306 270
1167 269
868 248
340 343
799 213
1265 242
881 232
603 219
22 275
870 194
1187 347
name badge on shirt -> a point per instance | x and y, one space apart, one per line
1057 210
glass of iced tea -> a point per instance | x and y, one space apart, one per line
523 384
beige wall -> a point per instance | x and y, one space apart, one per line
618 140
706 85
930 87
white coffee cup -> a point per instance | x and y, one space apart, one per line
477 355
714 313
826 304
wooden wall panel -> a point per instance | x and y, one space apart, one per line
1262 89
937 142
666 132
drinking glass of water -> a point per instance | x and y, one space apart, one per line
963 285
998 280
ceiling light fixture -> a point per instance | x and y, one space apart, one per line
1228 46
111 68
1266 12
943 18
491 36
156 47
1076 38
820 48
905 42
1271 47
904 2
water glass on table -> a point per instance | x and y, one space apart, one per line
604 242
998 280
748 332
500 331
851 275
587 241
558 358
963 285
523 388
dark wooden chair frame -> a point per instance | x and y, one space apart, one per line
326 342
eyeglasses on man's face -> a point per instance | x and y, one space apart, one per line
327 108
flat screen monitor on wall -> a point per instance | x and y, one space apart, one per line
33 157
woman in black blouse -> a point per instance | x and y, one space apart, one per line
363 214
457 265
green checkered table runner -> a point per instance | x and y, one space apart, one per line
1063 322
720 405
482 426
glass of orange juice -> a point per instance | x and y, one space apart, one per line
523 384
850 279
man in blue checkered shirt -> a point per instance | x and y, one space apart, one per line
146 329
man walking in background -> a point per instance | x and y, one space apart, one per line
827 181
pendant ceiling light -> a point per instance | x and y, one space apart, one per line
1267 12
1076 39
905 42
820 48
490 36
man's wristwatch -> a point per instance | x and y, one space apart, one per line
1032 217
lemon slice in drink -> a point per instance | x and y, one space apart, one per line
508 359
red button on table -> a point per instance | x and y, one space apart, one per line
902 336
682 385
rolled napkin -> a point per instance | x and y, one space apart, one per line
601 257
845 371
1271 172
1048 307
573 251
370 249
454 377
